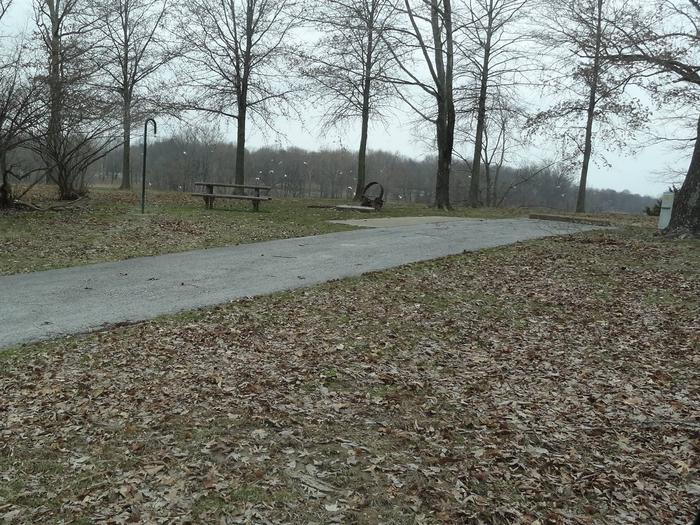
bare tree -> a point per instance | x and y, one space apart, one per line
593 85
237 53
489 48
80 121
20 113
429 35
499 139
19 108
350 64
503 137
575 35
524 176
133 49
663 40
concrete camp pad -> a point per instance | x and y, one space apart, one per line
390 222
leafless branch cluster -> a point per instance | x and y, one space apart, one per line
134 46
661 44
19 109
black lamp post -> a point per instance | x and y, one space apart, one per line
145 150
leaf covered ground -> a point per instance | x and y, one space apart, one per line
108 226
552 382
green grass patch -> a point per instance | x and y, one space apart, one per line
109 226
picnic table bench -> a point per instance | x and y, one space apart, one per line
209 195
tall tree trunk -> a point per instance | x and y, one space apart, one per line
362 159
449 142
126 153
66 192
240 146
474 200
592 99
5 190
362 154
366 87
243 68
494 194
445 143
685 217
126 100
53 140
487 176
442 182
445 101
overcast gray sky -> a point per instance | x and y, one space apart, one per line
642 171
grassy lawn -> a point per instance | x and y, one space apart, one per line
557 381
109 226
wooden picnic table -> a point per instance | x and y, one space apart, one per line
209 195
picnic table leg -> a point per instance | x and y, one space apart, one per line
210 200
256 203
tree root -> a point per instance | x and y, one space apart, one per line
50 207
680 234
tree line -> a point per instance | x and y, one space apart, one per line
75 84
180 161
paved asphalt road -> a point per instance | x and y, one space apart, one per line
48 304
